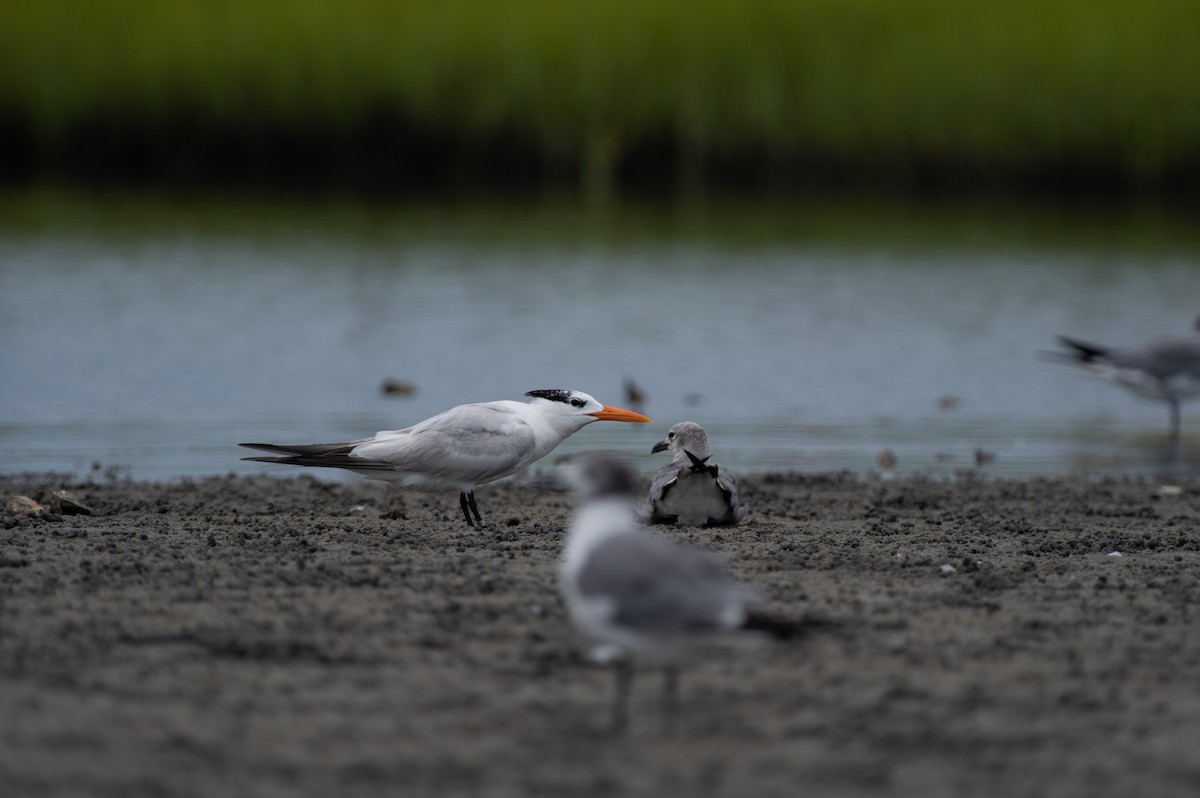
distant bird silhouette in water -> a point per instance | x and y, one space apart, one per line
1166 369
947 402
635 397
691 489
393 387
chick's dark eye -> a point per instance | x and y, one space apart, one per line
578 402
670 435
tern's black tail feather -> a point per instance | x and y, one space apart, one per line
1084 352
785 628
327 455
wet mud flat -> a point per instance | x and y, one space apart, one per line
290 637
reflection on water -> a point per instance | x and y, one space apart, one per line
156 334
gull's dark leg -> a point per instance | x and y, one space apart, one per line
670 699
466 507
623 668
1174 405
474 508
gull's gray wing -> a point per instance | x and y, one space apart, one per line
663 481
655 586
727 482
1162 358
468 443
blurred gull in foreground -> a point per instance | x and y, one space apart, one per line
462 448
691 490
1166 369
641 596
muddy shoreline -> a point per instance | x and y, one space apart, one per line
283 637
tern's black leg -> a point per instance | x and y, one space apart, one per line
670 699
474 508
466 507
623 668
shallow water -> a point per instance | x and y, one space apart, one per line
151 334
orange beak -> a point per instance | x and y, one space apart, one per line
617 414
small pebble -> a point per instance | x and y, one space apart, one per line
64 503
948 569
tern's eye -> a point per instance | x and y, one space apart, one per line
578 403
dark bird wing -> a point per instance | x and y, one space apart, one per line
1082 350
328 455
664 480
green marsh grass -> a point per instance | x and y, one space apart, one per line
1100 91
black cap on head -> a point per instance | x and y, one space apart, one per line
553 394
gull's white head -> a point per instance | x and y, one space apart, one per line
686 436
576 408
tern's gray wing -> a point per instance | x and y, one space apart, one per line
471 443
655 586
1162 359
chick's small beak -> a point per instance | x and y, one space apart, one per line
661 446
617 414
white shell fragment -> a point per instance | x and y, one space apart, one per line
606 654
1114 554
948 569
21 506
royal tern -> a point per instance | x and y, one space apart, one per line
1166 369
462 448
641 596
690 489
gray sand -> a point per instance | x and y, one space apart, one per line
288 637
